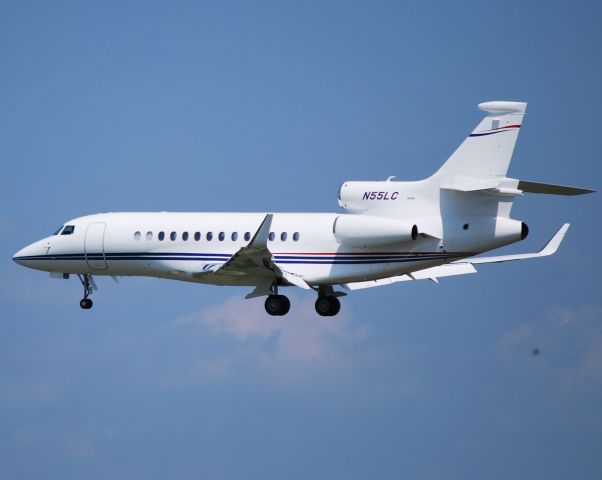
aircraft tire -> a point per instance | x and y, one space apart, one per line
277 305
328 306
285 305
86 303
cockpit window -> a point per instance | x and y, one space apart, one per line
58 230
68 230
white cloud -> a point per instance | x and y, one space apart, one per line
515 338
300 340
582 327
577 316
570 341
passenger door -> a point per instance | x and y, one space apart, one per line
94 246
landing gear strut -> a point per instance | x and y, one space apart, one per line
327 304
88 284
277 305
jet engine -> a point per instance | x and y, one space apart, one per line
370 231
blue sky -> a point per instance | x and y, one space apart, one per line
254 106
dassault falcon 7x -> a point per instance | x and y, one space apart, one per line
389 231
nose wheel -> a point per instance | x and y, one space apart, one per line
86 303
88 284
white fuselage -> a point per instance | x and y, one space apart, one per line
389 231
186 246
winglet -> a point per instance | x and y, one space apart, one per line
260 239
555 241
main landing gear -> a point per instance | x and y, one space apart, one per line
327 304
275 304
88 284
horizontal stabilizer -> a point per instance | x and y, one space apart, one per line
550 188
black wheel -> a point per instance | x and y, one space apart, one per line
86 303
328 306
277 305
285 305
273 304
335 306
322 306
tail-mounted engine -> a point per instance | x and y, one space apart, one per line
369 231
359 197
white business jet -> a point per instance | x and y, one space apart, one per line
389 232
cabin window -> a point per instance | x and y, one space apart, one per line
296 236
58 230
161 236
185 236
209 236
149 236
68 230
234 236
247 236
283 236
221 236
197 236
173 236
137 236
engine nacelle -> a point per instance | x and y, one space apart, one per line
359 197
507 229
369 231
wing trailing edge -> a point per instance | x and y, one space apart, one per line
463 267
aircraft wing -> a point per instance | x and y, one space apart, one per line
549 249
255 259
465 266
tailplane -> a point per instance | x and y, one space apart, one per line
487 151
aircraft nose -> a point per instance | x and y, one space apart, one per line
27 255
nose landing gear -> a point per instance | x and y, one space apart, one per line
86 303
89 285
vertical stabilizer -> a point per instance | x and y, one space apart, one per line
487 151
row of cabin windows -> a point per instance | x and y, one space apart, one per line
209 236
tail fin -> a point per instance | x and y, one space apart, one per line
487 151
